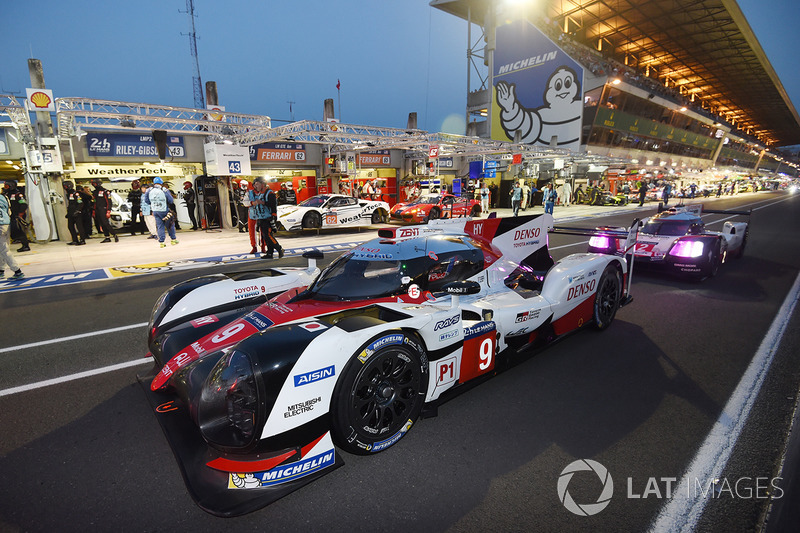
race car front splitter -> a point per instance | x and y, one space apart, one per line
228 485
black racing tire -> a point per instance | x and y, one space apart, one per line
713 261
312 220
740 251
434 214
377 400
607 298
378 217
475 212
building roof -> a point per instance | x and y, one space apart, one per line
704 46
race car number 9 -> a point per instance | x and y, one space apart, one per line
227 333
478 356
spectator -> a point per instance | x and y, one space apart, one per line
516 197
549 198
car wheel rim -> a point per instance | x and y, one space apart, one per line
385 393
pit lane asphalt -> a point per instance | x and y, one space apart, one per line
639 398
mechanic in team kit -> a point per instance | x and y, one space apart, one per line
135 198
88 207
264 210
190 198
19 213
75 209
102 210
5 253
160 199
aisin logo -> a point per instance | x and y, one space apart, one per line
585 509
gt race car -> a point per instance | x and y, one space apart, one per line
675 239
332 210
258 398
433 206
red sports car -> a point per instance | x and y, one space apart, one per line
432 206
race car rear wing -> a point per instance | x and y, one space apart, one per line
630 237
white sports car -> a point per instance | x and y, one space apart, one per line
257 399
332 210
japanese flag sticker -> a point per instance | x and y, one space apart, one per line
313 326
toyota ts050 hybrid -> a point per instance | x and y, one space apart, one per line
332 210
676 239
259 393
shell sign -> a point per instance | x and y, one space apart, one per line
40 100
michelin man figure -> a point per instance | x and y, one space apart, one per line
559 117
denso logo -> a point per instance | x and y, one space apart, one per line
580 290
316 375
526 234
446 323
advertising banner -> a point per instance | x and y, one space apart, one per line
278 152
377 158
130 145
40 100
538 89
226 159
131 172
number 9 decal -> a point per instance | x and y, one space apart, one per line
486 354
229 332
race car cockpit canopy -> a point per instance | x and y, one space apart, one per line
381 268
672 224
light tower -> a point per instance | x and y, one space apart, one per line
197 84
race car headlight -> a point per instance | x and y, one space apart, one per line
599 241
687 249
228 409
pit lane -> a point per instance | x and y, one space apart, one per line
639 398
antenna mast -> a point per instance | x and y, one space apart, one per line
197 84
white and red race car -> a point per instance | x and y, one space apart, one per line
676 239
258 399
332 210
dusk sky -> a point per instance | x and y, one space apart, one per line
392 57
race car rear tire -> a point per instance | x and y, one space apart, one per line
377 401
607 298
740 251
475 212
434 214
312 220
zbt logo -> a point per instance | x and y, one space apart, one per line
585 509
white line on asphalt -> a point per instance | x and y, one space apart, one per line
71 377
71 337
683 511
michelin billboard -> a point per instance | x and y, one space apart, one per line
537 89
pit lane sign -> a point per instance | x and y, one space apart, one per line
131 145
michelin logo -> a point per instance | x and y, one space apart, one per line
395 338
378 446
293 471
